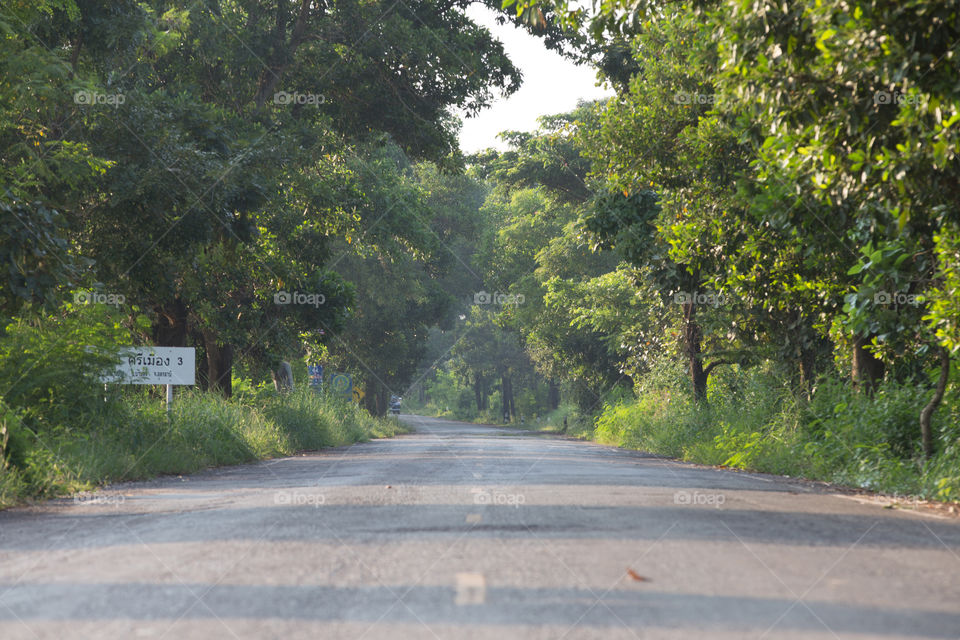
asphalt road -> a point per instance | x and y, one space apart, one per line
464 531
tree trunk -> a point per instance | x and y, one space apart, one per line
383 399
219 364
926 414
808 361
506 397
282 51
699 378
4 439
478 391
170 327
283 377
692 335
867 369
553 395
376 400
370 402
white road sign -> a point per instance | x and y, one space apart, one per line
155 365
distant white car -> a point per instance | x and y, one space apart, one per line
395 404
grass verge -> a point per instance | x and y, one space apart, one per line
130 437
837 435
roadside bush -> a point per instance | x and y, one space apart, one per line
752 421
135 439
554 420
61 431
49 368
316 421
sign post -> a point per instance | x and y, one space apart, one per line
342 384
316 376
155 365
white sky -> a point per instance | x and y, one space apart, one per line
551 84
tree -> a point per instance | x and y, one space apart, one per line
486 353
855 110
398 263
669 173
41 171
211 131
534 250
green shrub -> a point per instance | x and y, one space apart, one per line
754 421
60 431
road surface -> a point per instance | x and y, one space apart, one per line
464 531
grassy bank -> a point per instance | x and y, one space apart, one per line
754 420
837 435
62 431
131 437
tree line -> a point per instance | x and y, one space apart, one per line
773 187
261 180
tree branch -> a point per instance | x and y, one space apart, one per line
706 372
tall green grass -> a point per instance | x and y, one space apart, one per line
133 438
62 431
755 421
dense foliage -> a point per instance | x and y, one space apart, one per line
749 256
265 181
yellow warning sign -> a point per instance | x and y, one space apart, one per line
358 394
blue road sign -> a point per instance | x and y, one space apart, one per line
341 383
316 376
